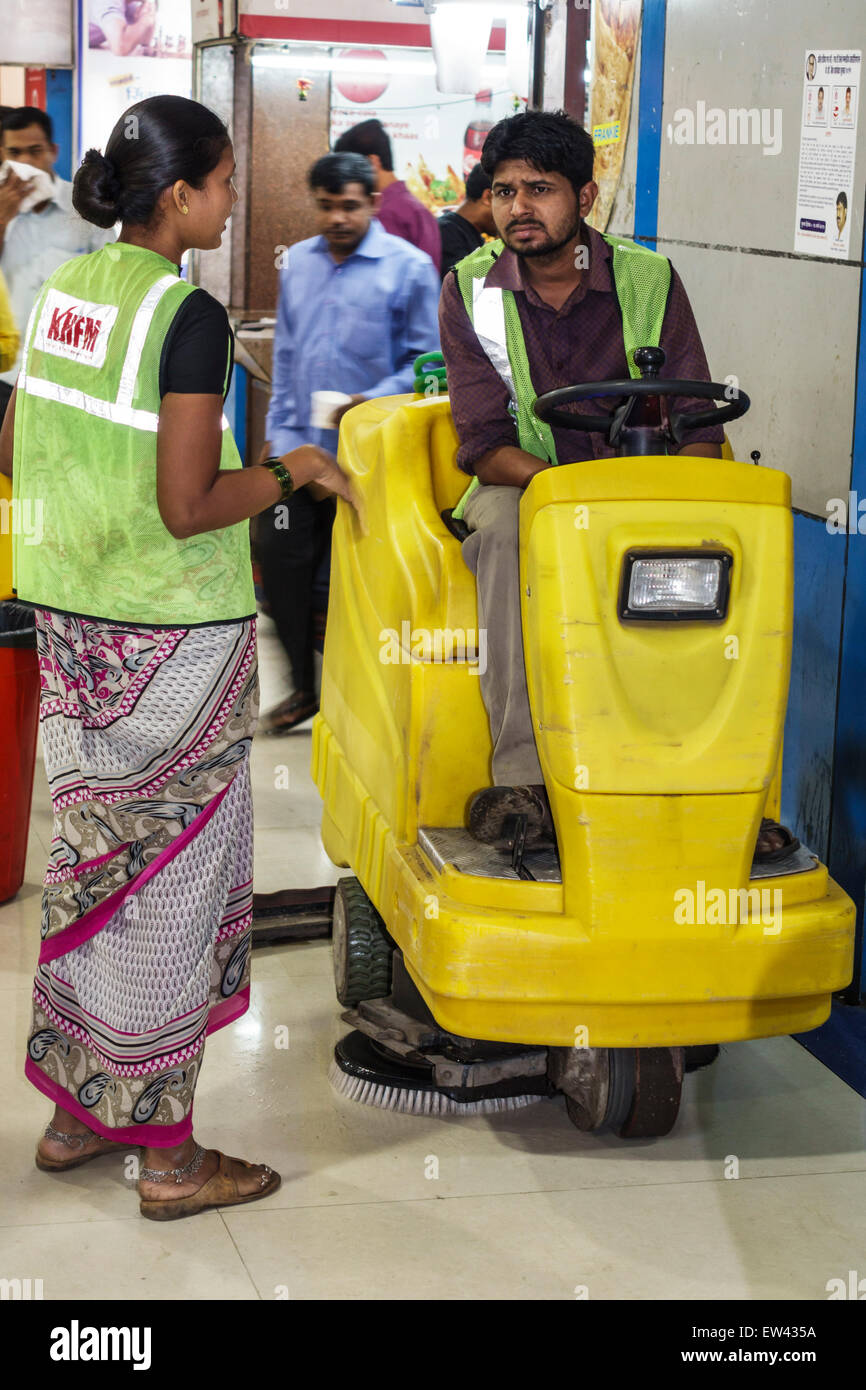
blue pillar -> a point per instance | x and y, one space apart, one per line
58 85
847 857
649 138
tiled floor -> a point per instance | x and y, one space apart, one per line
523 1206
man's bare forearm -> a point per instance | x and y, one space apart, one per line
508 466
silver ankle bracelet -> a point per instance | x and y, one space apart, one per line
163 1174
72 1141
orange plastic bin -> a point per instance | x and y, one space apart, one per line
19 722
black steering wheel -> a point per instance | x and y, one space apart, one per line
642 436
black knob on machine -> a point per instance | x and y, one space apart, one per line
650 360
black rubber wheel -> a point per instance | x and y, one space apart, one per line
658 1085
362 946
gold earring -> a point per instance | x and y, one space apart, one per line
185 211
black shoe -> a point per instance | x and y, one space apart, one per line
291 712
493 816
702 1056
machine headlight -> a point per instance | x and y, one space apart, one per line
675 585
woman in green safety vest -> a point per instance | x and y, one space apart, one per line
142 588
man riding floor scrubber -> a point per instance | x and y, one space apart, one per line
656 609
617 669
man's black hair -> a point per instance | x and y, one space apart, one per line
477 180
20 117
366 138
551 141
333 171
843 199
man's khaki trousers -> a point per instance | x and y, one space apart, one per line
491 552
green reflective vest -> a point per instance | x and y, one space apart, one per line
86 420
641 280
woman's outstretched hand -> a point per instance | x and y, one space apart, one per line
315 468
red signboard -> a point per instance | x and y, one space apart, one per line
35 92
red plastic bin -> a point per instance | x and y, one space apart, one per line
19 723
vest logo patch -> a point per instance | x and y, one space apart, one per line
74 328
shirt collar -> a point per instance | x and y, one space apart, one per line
373 246
63 194
507 273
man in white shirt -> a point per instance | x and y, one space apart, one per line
33 244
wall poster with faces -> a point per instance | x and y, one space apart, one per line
828 142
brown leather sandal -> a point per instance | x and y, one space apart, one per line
220 1190
76 1142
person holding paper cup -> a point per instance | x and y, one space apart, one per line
356 307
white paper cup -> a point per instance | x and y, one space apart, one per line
322 407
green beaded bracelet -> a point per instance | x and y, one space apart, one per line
283 477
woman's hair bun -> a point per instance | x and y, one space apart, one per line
96 192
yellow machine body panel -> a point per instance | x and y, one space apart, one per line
660 744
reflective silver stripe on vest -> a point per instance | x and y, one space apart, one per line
488 320
93 405
106 410
138 336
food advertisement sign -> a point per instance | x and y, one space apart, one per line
435 139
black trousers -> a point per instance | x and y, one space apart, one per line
293 547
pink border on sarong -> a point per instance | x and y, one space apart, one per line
96 919
56 876
168 1135
154 1136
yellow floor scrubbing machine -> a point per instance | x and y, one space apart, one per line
657 615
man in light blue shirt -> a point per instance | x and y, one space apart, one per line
356 308
34 244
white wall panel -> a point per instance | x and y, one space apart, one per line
786 326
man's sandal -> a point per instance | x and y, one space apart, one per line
790 844
494 811
76 1142
221 1190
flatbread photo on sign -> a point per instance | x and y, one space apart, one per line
615 31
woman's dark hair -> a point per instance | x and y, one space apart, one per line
551 141
366 138
333 171
154 144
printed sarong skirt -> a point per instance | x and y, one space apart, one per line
147 901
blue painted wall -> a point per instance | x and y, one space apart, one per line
236 408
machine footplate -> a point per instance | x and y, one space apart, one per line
455 846
468 856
